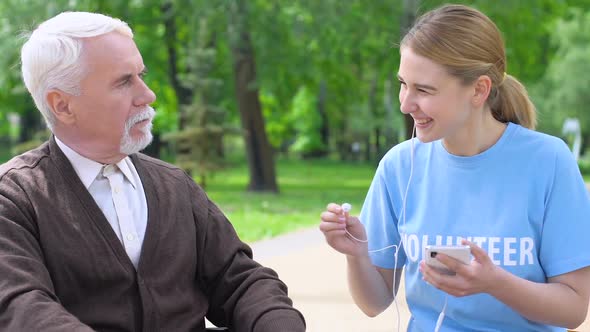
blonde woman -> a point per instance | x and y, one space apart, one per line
477 175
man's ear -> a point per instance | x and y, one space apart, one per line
481 90
59 103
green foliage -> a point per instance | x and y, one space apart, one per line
563 90
584 164
306 188
348 46
199 143
16 19
38 138
307 122
278 127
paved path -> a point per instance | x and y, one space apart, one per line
316 276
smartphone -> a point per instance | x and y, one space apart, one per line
460 253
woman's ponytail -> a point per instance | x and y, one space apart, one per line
511 103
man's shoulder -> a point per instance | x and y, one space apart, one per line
161 173
154 165
155 162
26 161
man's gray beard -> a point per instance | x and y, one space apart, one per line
129 145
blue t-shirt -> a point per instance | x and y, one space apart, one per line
523 201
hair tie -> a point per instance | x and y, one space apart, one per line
503 79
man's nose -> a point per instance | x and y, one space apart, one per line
146 96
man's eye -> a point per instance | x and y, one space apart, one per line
125 81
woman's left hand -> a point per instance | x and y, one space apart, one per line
477 277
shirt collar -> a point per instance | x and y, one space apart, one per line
88 169
125 166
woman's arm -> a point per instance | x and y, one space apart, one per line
371 287
562 301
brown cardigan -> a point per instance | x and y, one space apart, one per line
62 268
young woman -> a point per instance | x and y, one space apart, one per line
478 175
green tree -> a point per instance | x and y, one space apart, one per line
307 122
563 90
199 142
258 149
342 53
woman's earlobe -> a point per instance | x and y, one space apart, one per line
479 100
482 90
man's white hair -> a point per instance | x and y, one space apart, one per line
51 56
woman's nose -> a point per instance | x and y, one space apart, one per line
407 106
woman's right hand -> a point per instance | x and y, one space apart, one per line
334 225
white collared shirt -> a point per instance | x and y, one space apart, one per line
124 205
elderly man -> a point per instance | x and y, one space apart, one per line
96 236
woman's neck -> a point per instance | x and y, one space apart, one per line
481 133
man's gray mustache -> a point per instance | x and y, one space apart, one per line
146 114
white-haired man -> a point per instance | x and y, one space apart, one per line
96 236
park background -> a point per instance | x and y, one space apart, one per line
278 107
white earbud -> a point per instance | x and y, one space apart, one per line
346 207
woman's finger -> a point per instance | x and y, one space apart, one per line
478 253
352 221
330 217
334 208
450 262
331 226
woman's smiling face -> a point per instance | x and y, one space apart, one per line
439 103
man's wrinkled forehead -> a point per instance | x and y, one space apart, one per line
113 51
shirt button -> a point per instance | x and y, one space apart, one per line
117 190
130 237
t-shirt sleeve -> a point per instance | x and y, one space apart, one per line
380 220
564 240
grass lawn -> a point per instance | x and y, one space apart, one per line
305 189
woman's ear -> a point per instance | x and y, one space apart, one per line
481 90
59 103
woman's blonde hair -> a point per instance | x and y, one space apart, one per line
468 44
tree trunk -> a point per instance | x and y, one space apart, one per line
31 122
408 17
372 103
153 150
390 135
259 151
324 131
183 95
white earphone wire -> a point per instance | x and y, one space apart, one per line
346 208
